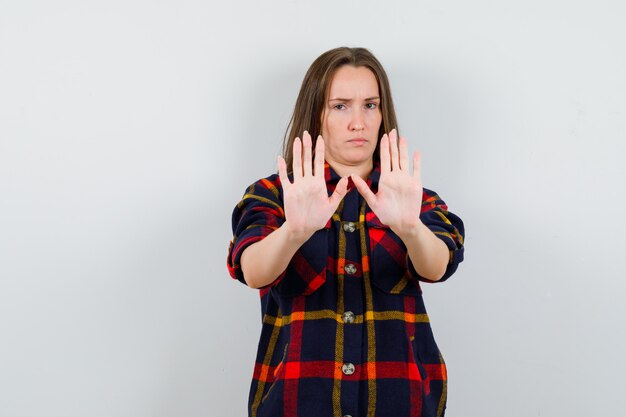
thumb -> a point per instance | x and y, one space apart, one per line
340 191
364 190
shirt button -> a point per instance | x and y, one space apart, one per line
348 317
349 227
350 269
347 368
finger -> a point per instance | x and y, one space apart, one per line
282 172
319 157
364 190
385 163
297 159
404 154
308 161
340 191
393 144
417 165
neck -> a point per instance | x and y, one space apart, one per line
363 170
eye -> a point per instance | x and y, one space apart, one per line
371 105
339 106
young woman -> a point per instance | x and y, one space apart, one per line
337 243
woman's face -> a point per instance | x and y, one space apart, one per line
351 117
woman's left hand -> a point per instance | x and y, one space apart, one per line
399 198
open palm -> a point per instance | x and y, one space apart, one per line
306 202
398 200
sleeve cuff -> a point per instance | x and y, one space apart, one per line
456 255
237 247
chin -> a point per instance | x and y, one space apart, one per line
359 158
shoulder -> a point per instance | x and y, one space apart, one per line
264 192
270 184
429 192
431 200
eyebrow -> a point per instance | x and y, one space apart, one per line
349 99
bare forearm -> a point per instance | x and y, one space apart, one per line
263 261
427 252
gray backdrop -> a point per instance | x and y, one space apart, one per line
130 129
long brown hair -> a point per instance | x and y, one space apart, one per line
307 114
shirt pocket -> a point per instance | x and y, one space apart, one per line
388 260
416 360
306 271
279 372
431 367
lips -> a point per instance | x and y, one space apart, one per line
358 141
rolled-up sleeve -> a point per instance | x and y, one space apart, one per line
446 226
258 214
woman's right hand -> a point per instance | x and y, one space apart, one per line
306 202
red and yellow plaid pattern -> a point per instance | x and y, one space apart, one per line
344 329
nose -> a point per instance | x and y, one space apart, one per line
356 121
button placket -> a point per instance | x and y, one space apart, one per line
350 268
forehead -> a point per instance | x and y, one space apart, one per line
353 82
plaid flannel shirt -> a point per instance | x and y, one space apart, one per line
344 328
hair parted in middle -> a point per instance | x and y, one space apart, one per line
307 114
